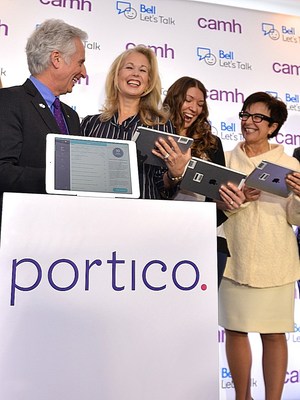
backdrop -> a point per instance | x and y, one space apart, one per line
233 51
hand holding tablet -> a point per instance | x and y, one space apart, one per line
145 139
270 177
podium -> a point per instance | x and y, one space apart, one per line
110 299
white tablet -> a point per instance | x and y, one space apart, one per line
270 177
88 166
204 177
145 139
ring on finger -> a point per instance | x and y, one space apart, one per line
231 202
167 155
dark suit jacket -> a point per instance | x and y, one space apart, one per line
25 119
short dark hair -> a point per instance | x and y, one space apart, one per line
277 108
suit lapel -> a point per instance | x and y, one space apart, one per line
46 114
41 106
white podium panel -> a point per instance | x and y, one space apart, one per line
107 299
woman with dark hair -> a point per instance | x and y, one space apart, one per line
257 290
188 110
186 101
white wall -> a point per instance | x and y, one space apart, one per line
277 6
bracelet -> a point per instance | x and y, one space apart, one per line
174 178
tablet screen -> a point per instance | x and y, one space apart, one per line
91 166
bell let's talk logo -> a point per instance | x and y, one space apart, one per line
222 58
145 13
286 33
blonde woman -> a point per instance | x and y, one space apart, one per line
133 98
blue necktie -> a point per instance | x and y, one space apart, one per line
58 115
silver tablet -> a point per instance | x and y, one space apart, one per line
145 139
204 177
269 177
87 166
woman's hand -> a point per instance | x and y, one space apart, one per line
293 181
170 153
232 196
251 194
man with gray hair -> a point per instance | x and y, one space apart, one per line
55 56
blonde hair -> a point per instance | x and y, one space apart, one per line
150 101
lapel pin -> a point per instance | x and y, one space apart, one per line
42 105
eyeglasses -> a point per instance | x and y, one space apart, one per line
257 118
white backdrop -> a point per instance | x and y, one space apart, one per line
234 52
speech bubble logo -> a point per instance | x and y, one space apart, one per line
123 6
204 53
271 93
267 28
